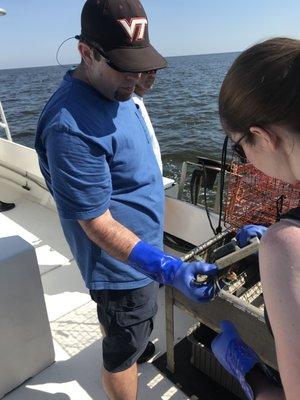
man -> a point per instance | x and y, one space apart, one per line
96 156
144 84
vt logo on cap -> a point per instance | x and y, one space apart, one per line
135 28
120 29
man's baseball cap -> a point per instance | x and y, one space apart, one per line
120 30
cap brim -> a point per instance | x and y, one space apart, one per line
136 59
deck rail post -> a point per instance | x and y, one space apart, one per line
4 124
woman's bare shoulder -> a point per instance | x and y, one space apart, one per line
283 233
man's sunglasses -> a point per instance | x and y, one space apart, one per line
100 51
114 67
102 54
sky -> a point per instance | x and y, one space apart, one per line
32 30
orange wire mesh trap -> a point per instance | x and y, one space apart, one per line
254 198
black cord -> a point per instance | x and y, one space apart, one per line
195 185
59 47
205 199
279 207
222 186
222 183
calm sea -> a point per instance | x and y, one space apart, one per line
182 105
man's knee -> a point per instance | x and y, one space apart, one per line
127 319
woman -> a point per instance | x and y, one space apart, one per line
259 108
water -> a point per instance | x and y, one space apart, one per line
182 105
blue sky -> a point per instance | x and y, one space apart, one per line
33 29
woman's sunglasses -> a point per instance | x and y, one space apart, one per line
238 149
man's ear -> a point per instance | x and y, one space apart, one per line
265 137
86 53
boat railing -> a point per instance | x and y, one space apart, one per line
205 175
4 124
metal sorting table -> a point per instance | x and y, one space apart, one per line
240 302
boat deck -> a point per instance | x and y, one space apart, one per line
72 315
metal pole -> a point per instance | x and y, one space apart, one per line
4 124
182 179
206 245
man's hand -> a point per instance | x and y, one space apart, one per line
184 280
234 355
170 270
247 232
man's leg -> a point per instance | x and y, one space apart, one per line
126 316
120 385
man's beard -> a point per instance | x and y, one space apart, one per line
121 95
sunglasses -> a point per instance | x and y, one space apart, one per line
114 67
151 72
111 65
238 149
108 62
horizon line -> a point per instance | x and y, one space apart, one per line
67 65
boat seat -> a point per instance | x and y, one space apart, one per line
26 345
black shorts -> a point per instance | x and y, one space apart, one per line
127 318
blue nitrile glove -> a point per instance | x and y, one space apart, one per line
170 270
247 232
235 356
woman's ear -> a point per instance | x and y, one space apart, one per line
265 137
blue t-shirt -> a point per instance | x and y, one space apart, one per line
95 154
